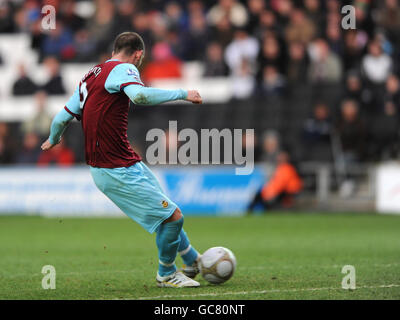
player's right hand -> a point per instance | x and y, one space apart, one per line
47 145
194 97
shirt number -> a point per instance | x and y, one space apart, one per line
83 93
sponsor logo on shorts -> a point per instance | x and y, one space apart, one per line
164 204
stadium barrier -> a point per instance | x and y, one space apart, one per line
388 188
197 190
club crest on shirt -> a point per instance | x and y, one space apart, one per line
164 203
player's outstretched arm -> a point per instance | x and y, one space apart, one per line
150 96
57 128
60 122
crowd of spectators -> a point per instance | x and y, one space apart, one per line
267 47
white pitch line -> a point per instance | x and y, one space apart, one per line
389 265
230 293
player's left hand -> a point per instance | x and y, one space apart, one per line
47 145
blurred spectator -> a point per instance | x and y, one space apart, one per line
298 63
67 13
123 16
140 23
243 47
24 84
55 84
177 46
352 132
388 17
84 46
59 43
250 141
194 6
37 37
240 56
175 16
255 8
267 24
317 134
158 26
6 145
164 64
270 147
271 55
29 153
376 65
392 92
243 81
283 8
334 38
325 65
281 189
313 13
100 26
222 32
300 28
6 17
384 143
21 18
59 155
363 16
332 6
194 40
272 83
233 9
354 44
376 68
386 45
214 65
318 127
354 90
40 123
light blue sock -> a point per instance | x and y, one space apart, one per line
168 240
187 252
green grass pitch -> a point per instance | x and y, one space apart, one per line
280 256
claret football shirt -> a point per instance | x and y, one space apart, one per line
102 106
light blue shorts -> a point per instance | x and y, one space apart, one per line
137 192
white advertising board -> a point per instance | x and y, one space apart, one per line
388 188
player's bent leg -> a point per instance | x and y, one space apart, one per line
189 256
168 240
137 193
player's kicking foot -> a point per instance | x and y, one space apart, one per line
193 270
176 280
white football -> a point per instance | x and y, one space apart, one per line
217 265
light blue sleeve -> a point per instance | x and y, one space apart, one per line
122 75
150 96
60 122
73 104
58 125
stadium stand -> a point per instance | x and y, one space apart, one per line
262 64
